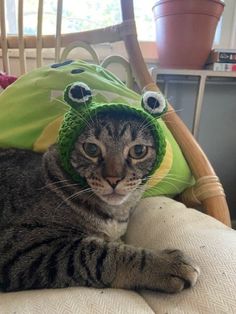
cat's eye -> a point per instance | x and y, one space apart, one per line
138 151
91 149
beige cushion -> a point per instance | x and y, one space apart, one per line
157 223
74 300
164 223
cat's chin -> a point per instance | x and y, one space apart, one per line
114 199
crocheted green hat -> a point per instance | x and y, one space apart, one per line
79 97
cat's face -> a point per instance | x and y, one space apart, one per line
114 154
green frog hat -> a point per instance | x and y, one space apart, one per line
82 107
33 110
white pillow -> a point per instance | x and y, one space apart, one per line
160 223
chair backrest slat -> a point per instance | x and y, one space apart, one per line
4 45
21 36
39 41
58 30
102 35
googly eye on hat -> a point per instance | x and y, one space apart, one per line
77 94
155 103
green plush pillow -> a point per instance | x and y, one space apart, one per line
32 110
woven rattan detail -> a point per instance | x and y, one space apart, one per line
205 187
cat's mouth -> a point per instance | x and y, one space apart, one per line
114 198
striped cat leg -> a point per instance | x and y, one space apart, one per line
113 264
36 256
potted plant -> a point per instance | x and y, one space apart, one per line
185 31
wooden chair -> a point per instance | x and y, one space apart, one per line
208 191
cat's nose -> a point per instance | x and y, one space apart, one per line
113 181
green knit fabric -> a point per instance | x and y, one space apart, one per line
32 110
75 122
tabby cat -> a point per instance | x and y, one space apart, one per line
55 234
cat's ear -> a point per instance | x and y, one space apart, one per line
77 94
154 103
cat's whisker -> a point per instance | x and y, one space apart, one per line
87 111
177 180
148 192
81 117
144 125
167 175
157 189
74 195
175 187
61 102
174 178
143 121
141 188
52 183
48 185
95 118
89 122
169 121
64 186
172 111
85 120
170 177
91 196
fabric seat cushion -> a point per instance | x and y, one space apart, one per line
157 223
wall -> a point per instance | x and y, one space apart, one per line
228 34
217 134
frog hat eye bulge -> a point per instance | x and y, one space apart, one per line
154 103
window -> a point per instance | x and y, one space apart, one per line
80 15
88 15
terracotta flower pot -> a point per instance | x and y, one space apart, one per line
185 31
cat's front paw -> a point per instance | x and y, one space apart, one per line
177 271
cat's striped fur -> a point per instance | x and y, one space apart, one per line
55 234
